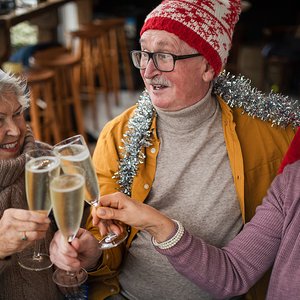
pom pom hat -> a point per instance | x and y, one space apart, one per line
205 25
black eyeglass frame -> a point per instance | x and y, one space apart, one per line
151 54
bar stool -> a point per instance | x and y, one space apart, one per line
66 67
88 44
43 120
116 47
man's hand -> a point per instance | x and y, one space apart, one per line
82 252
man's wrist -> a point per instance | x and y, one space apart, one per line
95 267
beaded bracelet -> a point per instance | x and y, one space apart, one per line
173 240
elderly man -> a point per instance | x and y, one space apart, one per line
182 149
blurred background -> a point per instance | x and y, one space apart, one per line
266 49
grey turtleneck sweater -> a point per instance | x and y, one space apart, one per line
193 184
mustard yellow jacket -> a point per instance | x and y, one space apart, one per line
255 150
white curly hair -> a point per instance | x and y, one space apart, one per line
18 85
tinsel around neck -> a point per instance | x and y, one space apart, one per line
236 91
134 139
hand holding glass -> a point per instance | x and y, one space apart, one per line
67 196
38 163
74 152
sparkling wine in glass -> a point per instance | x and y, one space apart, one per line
74 152
67 196
39 163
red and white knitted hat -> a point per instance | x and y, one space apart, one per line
205 25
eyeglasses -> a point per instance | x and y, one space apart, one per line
164 62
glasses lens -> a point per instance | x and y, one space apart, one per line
163 61
139 59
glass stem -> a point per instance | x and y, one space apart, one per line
37 250
71 273
110 236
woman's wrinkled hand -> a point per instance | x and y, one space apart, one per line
118 208
19 228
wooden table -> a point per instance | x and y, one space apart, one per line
23 14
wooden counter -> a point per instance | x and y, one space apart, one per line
24 14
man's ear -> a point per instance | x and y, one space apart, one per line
209 73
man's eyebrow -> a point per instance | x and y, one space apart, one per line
160 43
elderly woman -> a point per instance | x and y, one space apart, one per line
19 227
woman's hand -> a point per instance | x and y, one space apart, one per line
19 228
119 207
82 252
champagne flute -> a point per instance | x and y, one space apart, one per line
38 163
73 151
67 196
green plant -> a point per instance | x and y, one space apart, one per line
23 34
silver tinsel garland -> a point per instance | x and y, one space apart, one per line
236 91
134 139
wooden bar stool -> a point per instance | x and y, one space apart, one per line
42 117
115 53
66 67
88 44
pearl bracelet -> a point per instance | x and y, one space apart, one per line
173 240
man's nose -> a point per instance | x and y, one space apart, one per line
151 69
